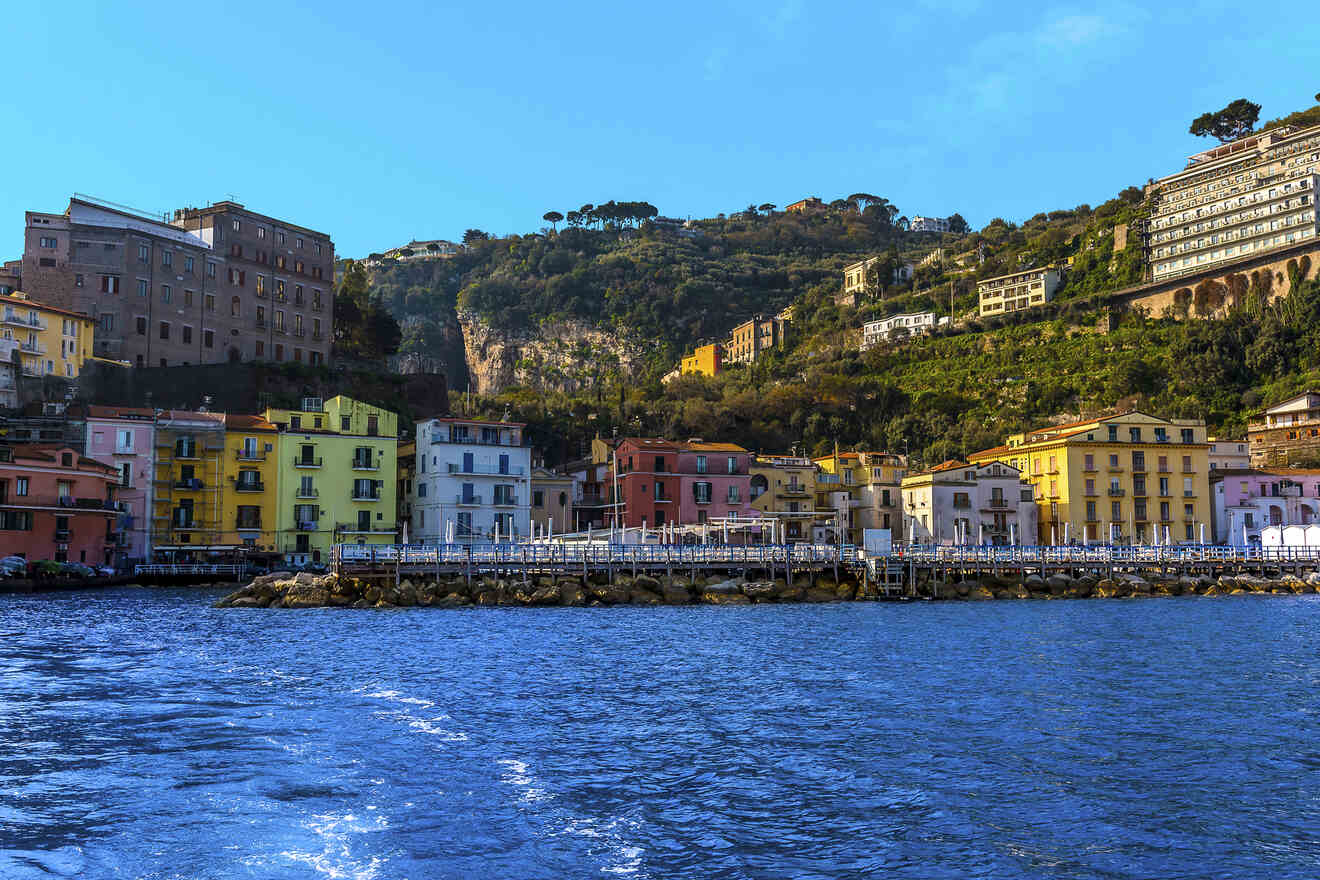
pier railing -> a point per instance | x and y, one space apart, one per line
593 556
173 570
1103 554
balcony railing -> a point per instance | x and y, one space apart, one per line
366 464
33 347
249 455
63 534
468 500
307 525
1116 493
301 492
249 486
17 320
365 496
470 440
488 469
247 525
190 485
512 500
307 461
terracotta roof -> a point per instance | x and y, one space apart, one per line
703 446
9 299
992 451
951 465
252 423
46 452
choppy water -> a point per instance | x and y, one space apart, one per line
143 734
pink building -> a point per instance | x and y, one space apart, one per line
1245 501
714 482
56 503
123 437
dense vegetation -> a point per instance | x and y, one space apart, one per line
620 269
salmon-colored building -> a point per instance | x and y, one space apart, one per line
688 483
58 504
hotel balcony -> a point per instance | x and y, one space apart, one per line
373 495
307 461
487 470
249 455
305 493
12 319
1116 493
33 347
512 500
247 525
468 500
249 486
366 464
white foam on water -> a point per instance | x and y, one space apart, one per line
337 834
396 697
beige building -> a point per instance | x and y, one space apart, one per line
210 285
1286 434
1017 290
857 283
751 339
1229 455
784 487
1235 201
960 503
552 502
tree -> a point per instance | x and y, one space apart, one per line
473 236
1234 121
553 218
363 328
958 226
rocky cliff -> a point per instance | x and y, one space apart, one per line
559 356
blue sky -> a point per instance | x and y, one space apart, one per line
386 122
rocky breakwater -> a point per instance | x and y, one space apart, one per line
306 590
1121 586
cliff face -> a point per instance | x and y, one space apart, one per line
561 356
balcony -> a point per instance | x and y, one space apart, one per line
365 464
259 323
307 461
180 522
13 319
471 440
1188 493
302 492
186 453
1116 493
63 534
962 505
33 347
1140 492
792 489
316 305
280 331
247 525
512 500
317 337
249 486
307 525
359 495
249 455
190 485
299 332
356 529
468 500
488 470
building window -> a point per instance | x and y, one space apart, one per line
142 287
210 302
141 326
208 338
109 283
210 269
164 329
48 242
167 258
187 334
166 293
188 265
260 349
235 307
144 253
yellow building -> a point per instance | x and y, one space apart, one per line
864 488
51 341
338 476
188 486
1124 478
784 487
250 498
704 360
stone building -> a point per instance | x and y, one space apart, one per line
212 285
1287 433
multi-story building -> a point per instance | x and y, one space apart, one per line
407 475
552 502
1246 501
865 490
934 258
809 205
660 482
251 487
1286 433
212 285
1235 201
592 491
473 481
1229 455
960 503
279 278
752 339
50 341
784 487
899 326
928 224
1129 478
187 491
56 503
337 476
858 283
705 359
9 371
1017 291
125 437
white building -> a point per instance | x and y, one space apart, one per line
959 503
473 482
856 280
928 224
1229 455
898 326
1017 290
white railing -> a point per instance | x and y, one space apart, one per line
171 569
1100 554
593 555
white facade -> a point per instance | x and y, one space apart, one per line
894 326
473 482
969 504
855 275
1246 522
928 224
1229 455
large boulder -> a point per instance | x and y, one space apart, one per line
1058 584
820 594
571 594
647 582
246 602
306 597
724 598
845 592
728 587
639 596
452 600
980 594
760 590
675 594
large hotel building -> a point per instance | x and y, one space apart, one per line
1233 201
208 285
